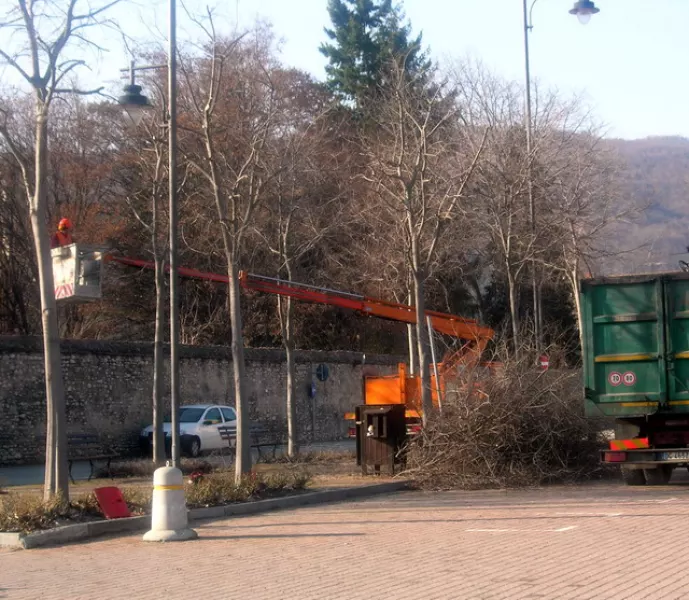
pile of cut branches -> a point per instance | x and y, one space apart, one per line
517 427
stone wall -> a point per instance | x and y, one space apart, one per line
108 388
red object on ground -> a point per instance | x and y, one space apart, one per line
195 477
112 502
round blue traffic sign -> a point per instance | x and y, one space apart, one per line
322 372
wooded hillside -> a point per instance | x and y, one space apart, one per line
656 175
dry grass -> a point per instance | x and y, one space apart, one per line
523 427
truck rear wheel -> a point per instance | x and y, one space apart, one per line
634 476
658 476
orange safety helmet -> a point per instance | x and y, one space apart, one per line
64 224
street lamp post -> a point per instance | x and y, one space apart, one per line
174 225
528 26
583 9
134 103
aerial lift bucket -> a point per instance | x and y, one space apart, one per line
77 273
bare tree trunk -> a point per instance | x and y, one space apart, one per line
514 310
285 311
56 469
411 341
422 345
540 333
292 435
158 362
573 276
421 334
243 459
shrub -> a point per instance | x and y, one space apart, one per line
518 427
138 499
27 512
145 468
220 488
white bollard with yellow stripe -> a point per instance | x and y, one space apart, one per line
169 522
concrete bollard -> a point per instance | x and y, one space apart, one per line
169 522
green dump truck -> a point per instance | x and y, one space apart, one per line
636 370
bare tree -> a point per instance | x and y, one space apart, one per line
575 185
232 97
419 166
50 31
303 209
493 107
146 201
585 205
18 301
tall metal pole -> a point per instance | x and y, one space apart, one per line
529 147
174 289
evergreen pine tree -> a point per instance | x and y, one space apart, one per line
366 35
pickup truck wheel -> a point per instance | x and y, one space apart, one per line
195 448
633 477
658 476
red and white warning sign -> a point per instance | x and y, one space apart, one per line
615 378
543 362
629 378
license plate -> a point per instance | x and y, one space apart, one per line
677 455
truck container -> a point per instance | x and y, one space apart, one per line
636 370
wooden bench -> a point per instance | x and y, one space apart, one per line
266 436
88 446
228 433
260 436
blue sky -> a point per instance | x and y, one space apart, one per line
629 61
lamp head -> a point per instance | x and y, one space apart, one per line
135 104
584 10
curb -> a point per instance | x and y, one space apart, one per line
82 531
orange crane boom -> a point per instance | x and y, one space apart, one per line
476 336
453 325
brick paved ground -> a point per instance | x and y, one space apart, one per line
556 543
